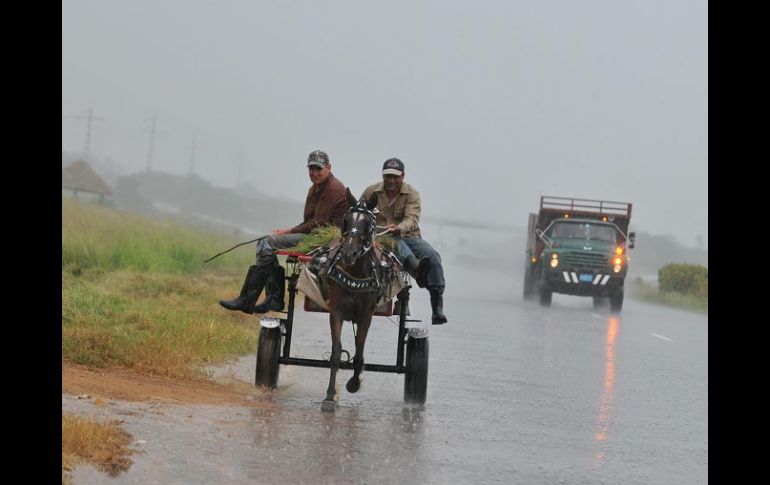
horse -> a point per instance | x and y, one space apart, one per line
354 286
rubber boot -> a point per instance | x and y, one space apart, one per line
418 268
252 287
274 291
437 306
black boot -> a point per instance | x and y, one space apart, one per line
252 287
418 268
437 305
274 291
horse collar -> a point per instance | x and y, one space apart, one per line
345 280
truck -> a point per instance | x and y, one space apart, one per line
578 247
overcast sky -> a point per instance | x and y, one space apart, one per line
490 104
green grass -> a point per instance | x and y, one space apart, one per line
136 294
644 292
324 235
105 239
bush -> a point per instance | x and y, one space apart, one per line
687 279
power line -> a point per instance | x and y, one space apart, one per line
192 153
90 118
152 144
240 166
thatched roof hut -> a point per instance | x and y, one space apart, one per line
80 177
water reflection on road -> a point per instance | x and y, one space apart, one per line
517 394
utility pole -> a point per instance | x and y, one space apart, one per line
192 153
152 144
240 166
89 121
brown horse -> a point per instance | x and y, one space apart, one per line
354 284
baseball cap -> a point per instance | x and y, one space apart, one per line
317 158
393 166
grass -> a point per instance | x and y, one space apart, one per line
100 238
162 324
650 294
136 294
324 235
87 440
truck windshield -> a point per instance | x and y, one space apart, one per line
583 230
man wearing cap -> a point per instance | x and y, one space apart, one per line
399 209
326 203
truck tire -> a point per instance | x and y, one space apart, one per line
268 351
529 283
600 302
545 296
616 301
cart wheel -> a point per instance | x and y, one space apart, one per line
268 351
416 376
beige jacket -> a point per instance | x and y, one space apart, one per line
404 210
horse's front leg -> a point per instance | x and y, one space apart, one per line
335 324
354 383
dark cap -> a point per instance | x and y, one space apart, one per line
317 158
393 166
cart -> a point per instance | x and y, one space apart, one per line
275 334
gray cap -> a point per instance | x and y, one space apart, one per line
317 158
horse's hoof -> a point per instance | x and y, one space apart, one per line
353 385
329 406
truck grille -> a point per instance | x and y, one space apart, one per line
584 260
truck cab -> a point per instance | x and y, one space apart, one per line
578 247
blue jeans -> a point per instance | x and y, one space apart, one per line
420 248
267 246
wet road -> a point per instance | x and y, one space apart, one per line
517 394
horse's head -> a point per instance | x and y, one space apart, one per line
358 228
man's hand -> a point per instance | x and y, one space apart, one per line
394 229
279 232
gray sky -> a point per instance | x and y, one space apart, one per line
489 104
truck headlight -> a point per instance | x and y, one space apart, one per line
554 261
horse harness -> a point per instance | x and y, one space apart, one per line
383 264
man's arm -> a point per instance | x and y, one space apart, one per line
412 211
330 209
306 225
304 228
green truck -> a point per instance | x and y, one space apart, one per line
578 247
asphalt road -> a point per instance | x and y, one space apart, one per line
517 394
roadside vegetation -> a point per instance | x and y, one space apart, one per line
680 285
136 293
102 444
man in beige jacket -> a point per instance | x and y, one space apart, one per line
399 209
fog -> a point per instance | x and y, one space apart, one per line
489 104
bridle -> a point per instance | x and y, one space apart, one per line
367 239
